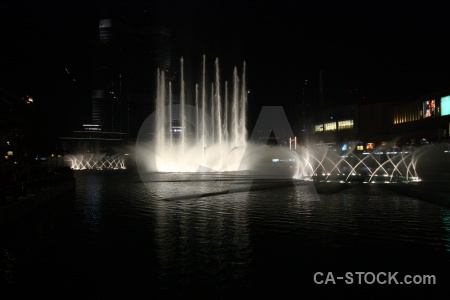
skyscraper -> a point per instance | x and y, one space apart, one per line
107 105
131 45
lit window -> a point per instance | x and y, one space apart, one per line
330 126
318 128
345 124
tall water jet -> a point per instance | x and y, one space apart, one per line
235 109
159 117
202 140
218 105
182 109
225 113
203 105
213 123
243 108
196 112
170 114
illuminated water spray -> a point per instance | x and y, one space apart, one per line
207 131
95 162
376 166
205 135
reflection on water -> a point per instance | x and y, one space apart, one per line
121 237
93 196
203 241
446 226
7 265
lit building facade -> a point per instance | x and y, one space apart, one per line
424 120
335 124
428 117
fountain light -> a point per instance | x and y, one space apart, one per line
209 135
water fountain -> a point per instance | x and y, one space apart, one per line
207 132
380 165
90 161
208 135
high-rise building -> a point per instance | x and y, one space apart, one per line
131 45
307 104
107 105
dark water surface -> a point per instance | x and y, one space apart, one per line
121 236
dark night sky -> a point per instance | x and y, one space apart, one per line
388 51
